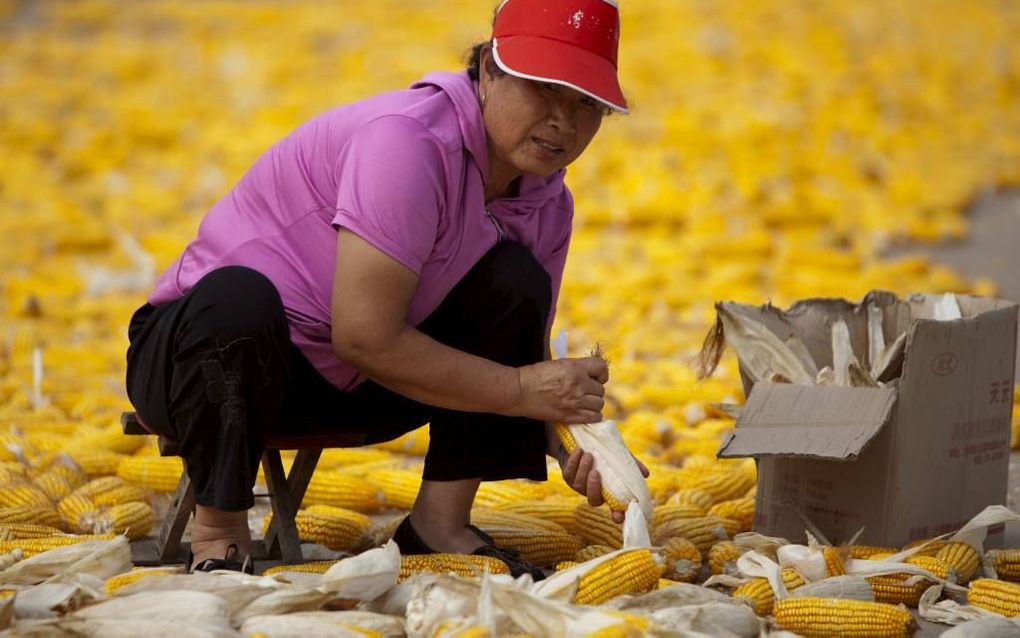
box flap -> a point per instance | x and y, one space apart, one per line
823 422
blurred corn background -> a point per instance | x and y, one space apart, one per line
776 150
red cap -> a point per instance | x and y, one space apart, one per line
568 42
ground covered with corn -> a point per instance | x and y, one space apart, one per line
773 152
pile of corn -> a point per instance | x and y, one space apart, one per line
766 139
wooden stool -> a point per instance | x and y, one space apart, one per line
285 492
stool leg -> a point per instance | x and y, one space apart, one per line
283 509
168 540
297 482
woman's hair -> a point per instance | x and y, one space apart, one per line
474 62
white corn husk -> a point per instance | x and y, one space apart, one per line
394 602
49 600
755 565
826 376
975 530
887 566
989 627
847 586
842 353
119 628
809 561
438 599
617 467
859 377
948 612
235 589
162 606
11 557
300 579
324 624
284 601
710 619
365 576
889 357
759 351
876 335
676 595
753 541
947 308
100 558
7 611
800 351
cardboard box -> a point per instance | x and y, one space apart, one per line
910 460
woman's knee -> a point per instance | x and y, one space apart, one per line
236 301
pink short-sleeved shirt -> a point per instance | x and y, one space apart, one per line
405 171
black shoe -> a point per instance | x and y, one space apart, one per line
230 561
409 542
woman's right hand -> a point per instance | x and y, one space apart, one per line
563 390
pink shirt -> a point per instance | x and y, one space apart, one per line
404 170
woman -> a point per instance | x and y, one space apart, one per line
391 263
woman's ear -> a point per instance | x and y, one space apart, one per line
489 62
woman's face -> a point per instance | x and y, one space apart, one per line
534 127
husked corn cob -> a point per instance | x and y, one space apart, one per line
592 551
631 572
666 513
823 617
597 527
995 595
97 463
12 531
398 487
66 468
683 560
112 439
894 588
696 498
340 458
758 594
311 567
661 487
1006 563
961 557
863 552
335 488
835 561
37 515
75 509
722 558
23 494
414 443
501 518
460 564
495 493
567 564
554 510
119 495
540 546
622 481
703 531
33 546
135 519
114 583
567 439
931 548
156 473
99 486
722 485
334 527
740 510
54 486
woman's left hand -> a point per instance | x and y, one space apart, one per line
579 473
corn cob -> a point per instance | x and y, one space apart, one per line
722 485
597 527
97 463
1006 563
961 557
666 513
33 546
722 558
12 531
67 469
661 487
344 457
75 509
554 510
414 443
592 551
995 595
567 564
620 474
334 527
23 494
119 495
931 549
703 531
823 617
758 594
495 493
683 560
398 487
630 572
39 516
135 519
740 510
114 583
311 567
460 564
112 439
485 518
696 498
835 561
863 552
156 473
100 486
540 546
342 490
54 486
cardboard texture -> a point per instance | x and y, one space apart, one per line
911 460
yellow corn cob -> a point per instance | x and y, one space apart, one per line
567 564
398 487
135 519
71 472
863 552
12 531
23 494
311 567
835 561
156 473
38 515
54 486
414 443
336 528
823 617
120 581
722 558
495 493
666 513
540 546
100 486
894 588
33 546
722 485
569 444
629 626
661 487
931 549
119 495
995 595
460 564
75 509
683 560
112 439
597 527
97 463
1006 563
592 551
554 510
631 572
703 531
485 518
336 488
758 594
961 557
739 509
696 498
343 457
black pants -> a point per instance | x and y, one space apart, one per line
216 371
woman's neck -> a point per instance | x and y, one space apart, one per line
502 180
